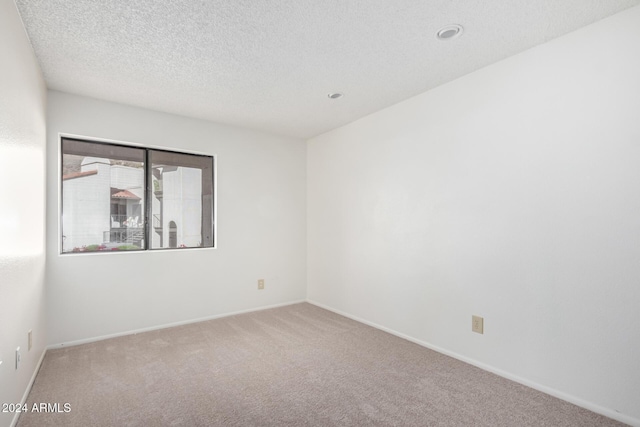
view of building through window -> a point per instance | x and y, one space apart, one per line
106 188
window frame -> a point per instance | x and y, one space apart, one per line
148 193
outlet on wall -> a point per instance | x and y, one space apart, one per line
260 283
477 324
18 357
30 339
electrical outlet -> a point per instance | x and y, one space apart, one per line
477 324
30 339
18 357
260 283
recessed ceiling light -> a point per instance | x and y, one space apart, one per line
449 32
335 95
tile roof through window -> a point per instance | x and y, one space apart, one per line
124 194
73 175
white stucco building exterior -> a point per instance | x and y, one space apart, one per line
103 207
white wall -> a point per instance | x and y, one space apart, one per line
22 199
512 193
261 229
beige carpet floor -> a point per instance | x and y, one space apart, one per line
298 365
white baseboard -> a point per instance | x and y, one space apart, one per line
28 390
550 391
168 325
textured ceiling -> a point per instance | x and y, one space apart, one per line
269 65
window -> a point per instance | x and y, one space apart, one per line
125 198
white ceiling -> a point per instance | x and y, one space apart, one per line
269 65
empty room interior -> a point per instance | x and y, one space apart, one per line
319 213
